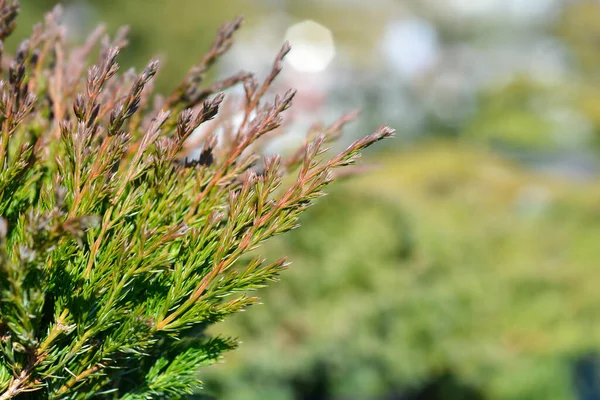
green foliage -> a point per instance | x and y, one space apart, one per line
485 273
516 115
117 250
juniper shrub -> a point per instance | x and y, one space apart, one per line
117 249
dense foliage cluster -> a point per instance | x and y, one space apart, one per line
119 248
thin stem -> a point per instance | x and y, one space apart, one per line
16 385
71 382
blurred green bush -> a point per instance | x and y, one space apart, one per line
427 268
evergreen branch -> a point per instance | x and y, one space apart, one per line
116 248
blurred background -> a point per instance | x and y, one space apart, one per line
466 265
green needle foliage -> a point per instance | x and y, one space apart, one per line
118 251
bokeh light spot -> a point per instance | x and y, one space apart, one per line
313 46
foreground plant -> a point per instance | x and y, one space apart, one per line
117 251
